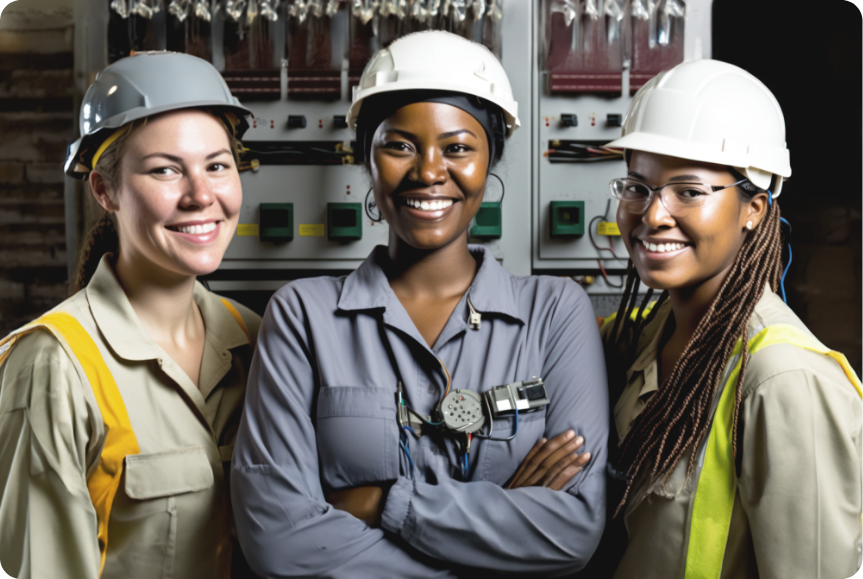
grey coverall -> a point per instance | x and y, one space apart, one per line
320 415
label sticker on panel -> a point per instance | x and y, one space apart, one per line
607 228
248 229
311 229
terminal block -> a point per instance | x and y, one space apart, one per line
277 222
344 221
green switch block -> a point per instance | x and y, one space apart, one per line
488 221
277 222
344 221
567 218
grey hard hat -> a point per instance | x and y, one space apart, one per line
142 85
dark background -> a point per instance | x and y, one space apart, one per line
810 58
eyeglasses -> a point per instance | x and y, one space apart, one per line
635 196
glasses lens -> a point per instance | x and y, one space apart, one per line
682 196
633 195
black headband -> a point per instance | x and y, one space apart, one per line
378 108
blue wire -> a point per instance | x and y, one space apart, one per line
411 431
407 451
516 421
465 468
787 266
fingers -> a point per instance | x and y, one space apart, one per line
519 473
553 458
564 470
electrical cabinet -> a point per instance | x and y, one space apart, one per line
307 210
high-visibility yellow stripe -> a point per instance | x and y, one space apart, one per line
717 483
236 315
120 440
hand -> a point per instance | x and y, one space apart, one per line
365 503
551 463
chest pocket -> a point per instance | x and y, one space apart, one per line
357 436
503 458
145 517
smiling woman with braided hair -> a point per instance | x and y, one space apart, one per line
736 451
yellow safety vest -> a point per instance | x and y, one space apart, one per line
717 483
120 440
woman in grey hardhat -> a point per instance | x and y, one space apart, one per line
342 466
119 407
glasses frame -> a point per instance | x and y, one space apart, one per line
654 191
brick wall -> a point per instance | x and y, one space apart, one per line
36 123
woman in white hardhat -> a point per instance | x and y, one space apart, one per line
119 407
732 461
343 468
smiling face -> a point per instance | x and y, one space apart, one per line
429 164
178 198
698 245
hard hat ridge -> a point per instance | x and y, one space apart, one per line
437 60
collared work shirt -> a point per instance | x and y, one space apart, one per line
321 415
798 504
171 513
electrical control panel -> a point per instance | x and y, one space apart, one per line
592 55
573 65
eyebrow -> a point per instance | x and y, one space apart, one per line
175 159
440 137
684 178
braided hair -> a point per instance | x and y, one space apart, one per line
677 417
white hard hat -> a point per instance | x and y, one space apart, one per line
710 111
437 60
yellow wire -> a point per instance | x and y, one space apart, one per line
448 379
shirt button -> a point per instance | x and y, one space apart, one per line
432 389
435 451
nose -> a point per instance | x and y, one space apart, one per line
429 168
657 216
199 193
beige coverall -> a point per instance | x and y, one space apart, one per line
797 512
171 516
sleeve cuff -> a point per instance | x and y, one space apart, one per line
397 507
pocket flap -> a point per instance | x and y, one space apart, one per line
171 472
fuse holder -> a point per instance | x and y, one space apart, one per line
488 221
277 222
296 121
340 122
344 221
569 120
567 219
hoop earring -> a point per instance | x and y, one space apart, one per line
370 204
502 187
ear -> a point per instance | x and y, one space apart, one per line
100 192
754 210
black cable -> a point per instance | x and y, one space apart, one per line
491 425
368 205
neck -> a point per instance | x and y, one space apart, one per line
437 273
690 304
163 301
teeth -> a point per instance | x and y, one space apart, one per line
429 205
662 247
197 229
